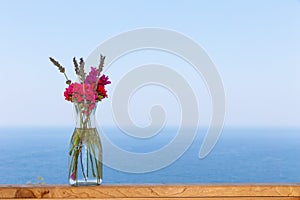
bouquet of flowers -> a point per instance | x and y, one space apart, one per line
85 148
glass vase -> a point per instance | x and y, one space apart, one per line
85 155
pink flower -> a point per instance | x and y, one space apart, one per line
78 88
91 107
89 92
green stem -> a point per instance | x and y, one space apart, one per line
87 162
87 120
82 170
66 76
80 116
76 154
92 163
97 164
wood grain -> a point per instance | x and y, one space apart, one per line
137 192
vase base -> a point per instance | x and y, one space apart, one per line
85 183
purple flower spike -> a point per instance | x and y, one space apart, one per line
92 77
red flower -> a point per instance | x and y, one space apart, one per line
101 91
69 92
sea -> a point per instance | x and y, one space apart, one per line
39 155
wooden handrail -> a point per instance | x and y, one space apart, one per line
137 192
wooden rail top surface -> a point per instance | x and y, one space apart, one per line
138 192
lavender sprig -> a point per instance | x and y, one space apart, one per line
61 69
100 67
76 66
81 70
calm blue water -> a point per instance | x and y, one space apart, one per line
240 156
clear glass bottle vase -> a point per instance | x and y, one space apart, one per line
85 153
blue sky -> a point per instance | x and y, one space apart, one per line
255 46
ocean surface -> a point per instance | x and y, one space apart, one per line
242 155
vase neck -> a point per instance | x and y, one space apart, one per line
85 115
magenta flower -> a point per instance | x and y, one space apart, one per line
72 176
103 80
92 76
